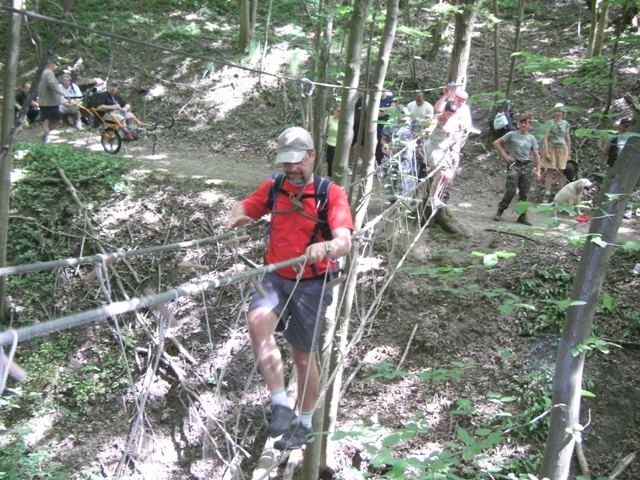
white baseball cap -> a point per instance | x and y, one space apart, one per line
293 144
558 106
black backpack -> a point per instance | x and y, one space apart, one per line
320 193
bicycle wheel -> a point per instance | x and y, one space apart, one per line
111 140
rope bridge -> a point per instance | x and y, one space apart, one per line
390 234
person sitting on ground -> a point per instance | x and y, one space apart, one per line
116 109
70 107
33 109
556 150
48 94
421 110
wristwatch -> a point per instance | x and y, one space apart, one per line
327 247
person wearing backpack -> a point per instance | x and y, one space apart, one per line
310 216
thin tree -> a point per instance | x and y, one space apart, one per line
324 33
516 47
564 426
599 14
496 47
343 321
11 68
465 19
248 12
350 93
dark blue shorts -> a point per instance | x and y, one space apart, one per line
50 113
297 304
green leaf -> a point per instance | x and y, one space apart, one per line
631 246
598 241
465 436
587 394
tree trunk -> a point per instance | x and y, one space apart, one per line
324 34
245 25
516 47
10 75
408 21
564 425
254 18
598 41
437 33
349 94
465 21
496 49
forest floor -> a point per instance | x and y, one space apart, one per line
484 355
509 358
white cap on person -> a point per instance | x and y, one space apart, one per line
293 144
558 106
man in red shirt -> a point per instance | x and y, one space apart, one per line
297 299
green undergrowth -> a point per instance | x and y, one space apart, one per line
492 436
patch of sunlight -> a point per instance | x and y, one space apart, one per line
163 454
214 181
20 154
151 217
156 91
545 80
157 156
630 70
290 29
209 197
18 174
366 264
215 27
465 205
39 427
380 354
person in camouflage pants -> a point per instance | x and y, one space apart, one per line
519 149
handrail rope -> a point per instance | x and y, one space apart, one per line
72 262
305 81
125 306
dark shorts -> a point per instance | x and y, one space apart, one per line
50 113
297 305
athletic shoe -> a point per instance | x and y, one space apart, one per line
281 419
297 437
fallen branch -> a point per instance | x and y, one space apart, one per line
511 233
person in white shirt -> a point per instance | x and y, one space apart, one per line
420 109
69 105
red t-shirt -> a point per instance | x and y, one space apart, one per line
291 232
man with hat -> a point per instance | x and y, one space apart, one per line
116 109
517 149
556 151
295 297
69 106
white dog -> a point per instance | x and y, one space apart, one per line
571 193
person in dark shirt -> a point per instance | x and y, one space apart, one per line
33 110
116 109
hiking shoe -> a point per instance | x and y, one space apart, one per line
79 126
497 217
297 437
281 419
46 139
523 220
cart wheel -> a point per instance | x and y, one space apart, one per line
111 140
